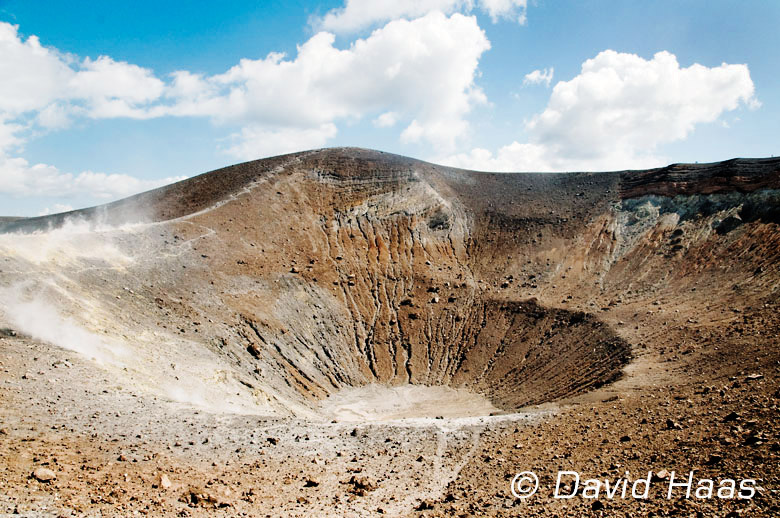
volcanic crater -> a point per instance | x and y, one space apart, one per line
388 271
303 285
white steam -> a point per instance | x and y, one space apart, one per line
76 240
68 286
35 316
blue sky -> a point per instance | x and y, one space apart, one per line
112 98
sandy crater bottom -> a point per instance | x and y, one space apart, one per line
379 403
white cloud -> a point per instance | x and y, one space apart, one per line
539 76
422 70
616 113
443 133
622 100
358 14
54 116
19 178
32 76
419 70
9 135
115 89
55 209
507 9
361 14
106 78
386 120
187 85
514 157
257 142
38 79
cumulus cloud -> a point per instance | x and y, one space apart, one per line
56 209
386 120
20 178
539 76
421 70
259 141
622 100
36 78
33 76
54 116
505 9
616 113
513 157
361 14
9 135
115 89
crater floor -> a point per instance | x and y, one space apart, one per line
380 403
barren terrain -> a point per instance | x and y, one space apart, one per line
347 332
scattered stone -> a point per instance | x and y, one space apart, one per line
44 475
311 482
661 475
361 485
753 439
165 482
212 497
